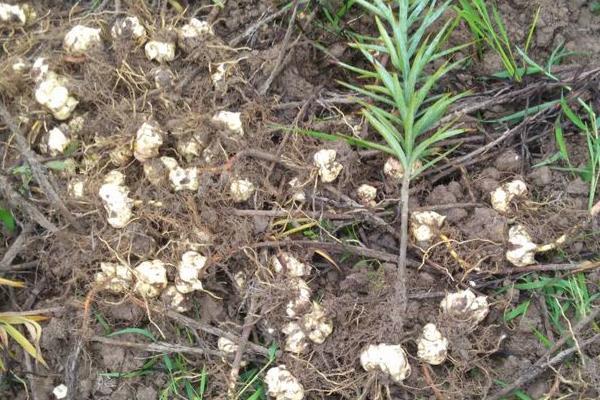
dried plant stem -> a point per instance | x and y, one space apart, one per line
399 299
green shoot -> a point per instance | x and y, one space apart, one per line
556 58
588 127
488 27
334 16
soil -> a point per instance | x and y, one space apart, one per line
116 89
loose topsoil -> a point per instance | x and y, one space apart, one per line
277 76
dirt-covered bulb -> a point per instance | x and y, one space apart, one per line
329 169
193 33
52 93
57 141
295 338
17 14
389 359
522 249
286 263
148 140
301 300
241 190
503 195
432 347
232 121
115 196
465 306
181 178
151 278
160 51
128 27
188 272
80 39
114 277
366 195
424 225
282 385
175 299
316 324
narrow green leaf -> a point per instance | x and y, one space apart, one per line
7 220
560 140
390 137
374 96
258 394
349 139
547 343
135 331
574 118
520 115
532 28
521 309
272 352
434 113
203 382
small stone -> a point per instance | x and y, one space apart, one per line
508 161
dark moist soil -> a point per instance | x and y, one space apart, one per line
116 91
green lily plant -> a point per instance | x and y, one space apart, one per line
401 102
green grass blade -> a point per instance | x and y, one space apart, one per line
203 382
574 118
135 331
519 116
391 49
560 141
532 28
521 309
349 139
7 220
